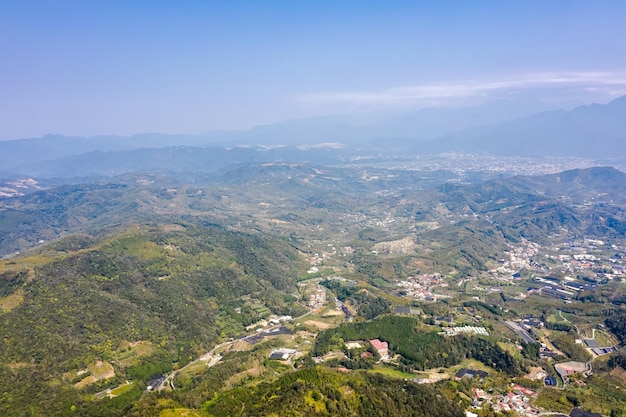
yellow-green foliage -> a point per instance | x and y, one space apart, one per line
136 245
310 392
129 357
391 372
82 302
179 412
121 389
600 396
315 400
195 369
11 301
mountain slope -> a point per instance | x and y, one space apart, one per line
315 392
586 131
174 289
474 129
582 201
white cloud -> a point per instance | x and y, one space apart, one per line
427 94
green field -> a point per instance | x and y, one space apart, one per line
391 372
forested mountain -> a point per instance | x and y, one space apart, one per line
586 202
282 196
172 288
135 276
318 392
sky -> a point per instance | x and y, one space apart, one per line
124 67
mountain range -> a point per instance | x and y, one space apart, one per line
129 278
591 131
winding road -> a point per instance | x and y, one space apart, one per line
209 356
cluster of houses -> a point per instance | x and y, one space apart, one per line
317 298
272 320
574 258
519 257
421 287
517 400
581 261
316 259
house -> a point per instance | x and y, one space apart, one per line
440 320
532 322
381 347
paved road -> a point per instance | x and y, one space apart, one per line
587 364
169 380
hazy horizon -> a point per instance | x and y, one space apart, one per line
85 69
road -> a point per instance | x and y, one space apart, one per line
580 336
544 339
169 380
210 355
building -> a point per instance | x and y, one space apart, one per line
470 373
406 310
550 381
592 343
282 354
381 347
353 345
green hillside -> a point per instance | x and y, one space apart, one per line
165 293
318 392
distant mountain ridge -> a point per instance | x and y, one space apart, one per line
588 131
592 131
583 200
173 159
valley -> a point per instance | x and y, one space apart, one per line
312 209
149 294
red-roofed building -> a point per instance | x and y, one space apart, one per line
381 347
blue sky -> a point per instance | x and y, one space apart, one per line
125 67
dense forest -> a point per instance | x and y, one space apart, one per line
368 305
141 302
319 392
419 350
617 324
